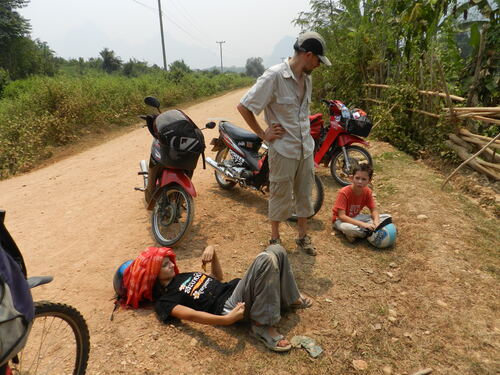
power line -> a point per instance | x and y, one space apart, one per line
174 23
187 17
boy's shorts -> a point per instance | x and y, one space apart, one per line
290 183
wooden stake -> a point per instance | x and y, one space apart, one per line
459 141
468 160
492 155
445 87
424 113
389 111
373 100
478 109
473 88
466 132
474 164
480 142
486 119
442 95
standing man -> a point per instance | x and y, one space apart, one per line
284 93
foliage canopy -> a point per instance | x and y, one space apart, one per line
407 44
254 67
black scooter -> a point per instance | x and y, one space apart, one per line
242 159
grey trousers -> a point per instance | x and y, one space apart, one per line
353 230
268 286
290 186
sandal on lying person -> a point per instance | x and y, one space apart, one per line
303 303
272 343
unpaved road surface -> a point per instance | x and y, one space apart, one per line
432 301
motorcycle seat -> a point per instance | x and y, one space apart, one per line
239 134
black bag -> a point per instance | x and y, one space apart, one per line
181 142
361 126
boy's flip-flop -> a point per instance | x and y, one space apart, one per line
304 303
261 333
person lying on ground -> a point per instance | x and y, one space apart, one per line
349 203
266 288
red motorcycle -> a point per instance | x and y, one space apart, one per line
333 144
168 189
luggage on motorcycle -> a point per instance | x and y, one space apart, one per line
16 304
181 142
316 122
359 124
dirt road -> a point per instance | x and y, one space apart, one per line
429 302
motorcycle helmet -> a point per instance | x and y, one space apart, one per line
118 278
383 237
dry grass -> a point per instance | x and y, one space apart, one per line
431 301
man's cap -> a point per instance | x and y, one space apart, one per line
311 41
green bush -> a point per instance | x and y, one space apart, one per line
42 112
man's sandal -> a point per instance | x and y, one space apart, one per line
304 303
262 334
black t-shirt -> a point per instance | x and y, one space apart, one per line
194 290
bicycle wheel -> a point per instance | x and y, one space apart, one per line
58 343
172 215
318 195
338 168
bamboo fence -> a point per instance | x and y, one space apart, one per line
465 143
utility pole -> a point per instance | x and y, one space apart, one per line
220 45
162 38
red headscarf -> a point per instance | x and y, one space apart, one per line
140 276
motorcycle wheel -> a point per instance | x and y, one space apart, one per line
221 157
357 155
318 195
172 215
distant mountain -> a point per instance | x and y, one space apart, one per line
234 69
283 49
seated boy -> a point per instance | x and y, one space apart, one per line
266 288
349 203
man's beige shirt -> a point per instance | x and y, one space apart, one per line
277 93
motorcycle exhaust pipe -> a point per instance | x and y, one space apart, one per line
144 172
220 169
143 166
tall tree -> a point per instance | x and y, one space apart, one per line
12 24
254 67
21 56
110 62
180 65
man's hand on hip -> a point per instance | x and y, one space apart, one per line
275 131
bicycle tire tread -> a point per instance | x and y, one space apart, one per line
76 321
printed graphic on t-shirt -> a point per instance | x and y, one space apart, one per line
353 210
195 286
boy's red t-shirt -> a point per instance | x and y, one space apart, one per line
352 204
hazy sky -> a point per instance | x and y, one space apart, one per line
75 28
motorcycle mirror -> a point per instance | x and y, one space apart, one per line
152 102
210 125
